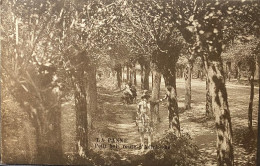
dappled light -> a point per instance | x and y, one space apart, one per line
130 82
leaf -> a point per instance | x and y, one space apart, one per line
191 28
191 18
215 30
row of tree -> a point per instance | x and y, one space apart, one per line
51 49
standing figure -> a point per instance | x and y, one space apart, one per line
143 120
134 93
127 94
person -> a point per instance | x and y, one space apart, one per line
143 121
127 94
134 93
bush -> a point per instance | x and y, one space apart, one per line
171 150
181 151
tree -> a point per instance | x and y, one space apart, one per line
188 61
145 71
119 55
29 65
244 51
155 94
206 22
153 20
187 77
80 28
82 31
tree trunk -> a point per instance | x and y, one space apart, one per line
251 100
122 72
258 126
155 96
48 137
134 75
201 71
256 77
91 95
44 113
238 71
81 115
228 70
171 79
172 103
187 78
215 76
146 76
118 76
201 74
209 111
180 72
142 77
131 76
152 79
127 73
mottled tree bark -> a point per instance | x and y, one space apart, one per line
134 76
258 126
187 78
257 71
91 94
131 79
209 111
119 75
155 95
127 73
122 72
171 79
81 114
146 75
152 78
251 99
142 76
208 45
215 76
172 103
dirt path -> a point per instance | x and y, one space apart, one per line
118 121
115 120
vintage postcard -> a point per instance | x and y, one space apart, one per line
130 82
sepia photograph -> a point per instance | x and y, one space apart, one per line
130 82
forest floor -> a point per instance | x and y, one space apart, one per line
117 120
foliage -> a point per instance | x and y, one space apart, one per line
28 69
243 53
44 43
182 151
